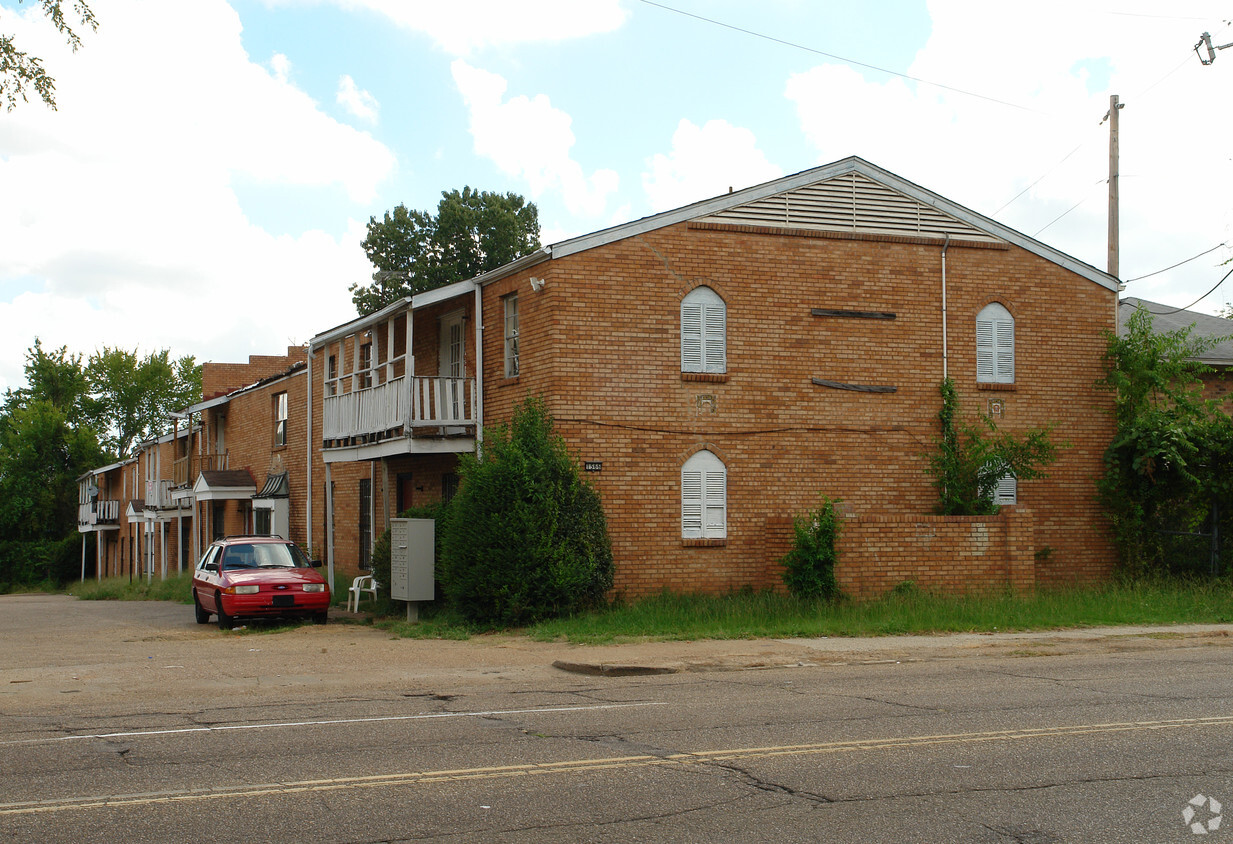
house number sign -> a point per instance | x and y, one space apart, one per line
593 466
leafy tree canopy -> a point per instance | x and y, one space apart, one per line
1171 460
71 417
131 396
20 71
473 232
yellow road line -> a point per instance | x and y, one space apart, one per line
590 765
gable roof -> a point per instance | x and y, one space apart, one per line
850 195
1166 318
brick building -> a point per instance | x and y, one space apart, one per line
716 368
719 366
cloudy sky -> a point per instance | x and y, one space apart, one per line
205 183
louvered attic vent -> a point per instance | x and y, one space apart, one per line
851 203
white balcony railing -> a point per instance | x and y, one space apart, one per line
102 512
158 493
418 402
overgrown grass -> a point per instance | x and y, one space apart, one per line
176 588
749 615
762 615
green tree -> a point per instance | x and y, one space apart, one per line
20 71
1172 451
473 232
525 538
131 397
969 460
45 445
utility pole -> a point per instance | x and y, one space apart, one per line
1114 269
1206 41
1114 108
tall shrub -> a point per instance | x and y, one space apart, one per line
809 568
1171 458
525 538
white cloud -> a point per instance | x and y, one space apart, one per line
120 221
281 65
1057 81
356 100
705 161
528 137
460 27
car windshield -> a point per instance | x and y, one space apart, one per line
264 555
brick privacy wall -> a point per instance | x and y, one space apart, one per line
601 343
953 554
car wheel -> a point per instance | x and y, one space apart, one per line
203 617
320 617
224 620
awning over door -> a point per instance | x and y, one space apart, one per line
224 485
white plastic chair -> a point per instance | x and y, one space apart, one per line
363 583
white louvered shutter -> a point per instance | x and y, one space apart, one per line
715 338
691 504
1004 338
1007 491
995 345
716 491
691 337
704 494
984 350
703 332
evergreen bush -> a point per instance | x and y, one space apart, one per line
525 537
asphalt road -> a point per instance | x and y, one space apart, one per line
129 723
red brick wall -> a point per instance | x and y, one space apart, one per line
220 378
601 342
936 553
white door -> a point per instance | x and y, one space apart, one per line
451 368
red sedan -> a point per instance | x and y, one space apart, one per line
258 576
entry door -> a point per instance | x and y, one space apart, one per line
452 365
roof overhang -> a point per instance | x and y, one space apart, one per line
419 300
226 485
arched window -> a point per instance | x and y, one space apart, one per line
703 332
1007 490
704 494
995 345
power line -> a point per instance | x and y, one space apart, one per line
1178 264
1196 301
843 59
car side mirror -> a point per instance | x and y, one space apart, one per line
212 567
315 563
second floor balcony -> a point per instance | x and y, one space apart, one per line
93 515
402 406
187 469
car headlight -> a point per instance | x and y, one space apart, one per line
314 587
245 589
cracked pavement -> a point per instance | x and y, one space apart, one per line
130 722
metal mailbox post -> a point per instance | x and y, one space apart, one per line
412 562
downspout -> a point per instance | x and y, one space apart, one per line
479 371
308 456
945 360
